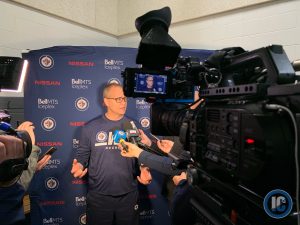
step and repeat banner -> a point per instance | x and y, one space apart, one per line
63 91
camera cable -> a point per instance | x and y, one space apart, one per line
280 107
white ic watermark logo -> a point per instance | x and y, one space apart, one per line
278 204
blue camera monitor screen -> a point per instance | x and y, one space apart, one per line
150 83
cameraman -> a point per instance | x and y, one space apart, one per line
12 192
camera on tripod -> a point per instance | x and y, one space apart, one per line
243 138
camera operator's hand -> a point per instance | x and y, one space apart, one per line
196 98
165 145
145 140
28 126
133 150
10 147
78 169
178 178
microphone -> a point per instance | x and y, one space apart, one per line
7 128
133 134
119 136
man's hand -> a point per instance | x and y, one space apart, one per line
145 176
11 148
28 126
145 140
133 150
178 178
165 145
77 169
42 162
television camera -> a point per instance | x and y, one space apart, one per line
243 138
14 155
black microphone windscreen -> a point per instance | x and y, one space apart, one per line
127 125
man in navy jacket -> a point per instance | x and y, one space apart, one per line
112 179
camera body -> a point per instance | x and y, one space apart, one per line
242 138
242 148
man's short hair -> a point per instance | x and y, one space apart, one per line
108 86
149 76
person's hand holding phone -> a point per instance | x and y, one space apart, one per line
43 162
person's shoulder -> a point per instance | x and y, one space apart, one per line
93 121
129 119
126 117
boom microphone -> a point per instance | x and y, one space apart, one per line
119 136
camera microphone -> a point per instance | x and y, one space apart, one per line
132 132
7 128
133 136
119 136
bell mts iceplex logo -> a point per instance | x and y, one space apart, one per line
80 84
47 103
113 64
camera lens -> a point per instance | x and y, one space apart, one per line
167 118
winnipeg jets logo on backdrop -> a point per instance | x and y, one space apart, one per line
48 124
51 183
114 81
82 219
46 61
81 104
145 122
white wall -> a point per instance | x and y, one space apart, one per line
99 14
117 16
22 29
273 23
182 10
276 22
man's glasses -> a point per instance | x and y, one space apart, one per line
119 99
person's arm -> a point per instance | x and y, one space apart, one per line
27 175
145 176
33 163
165 145
162 164
144 138
80 163
159 163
